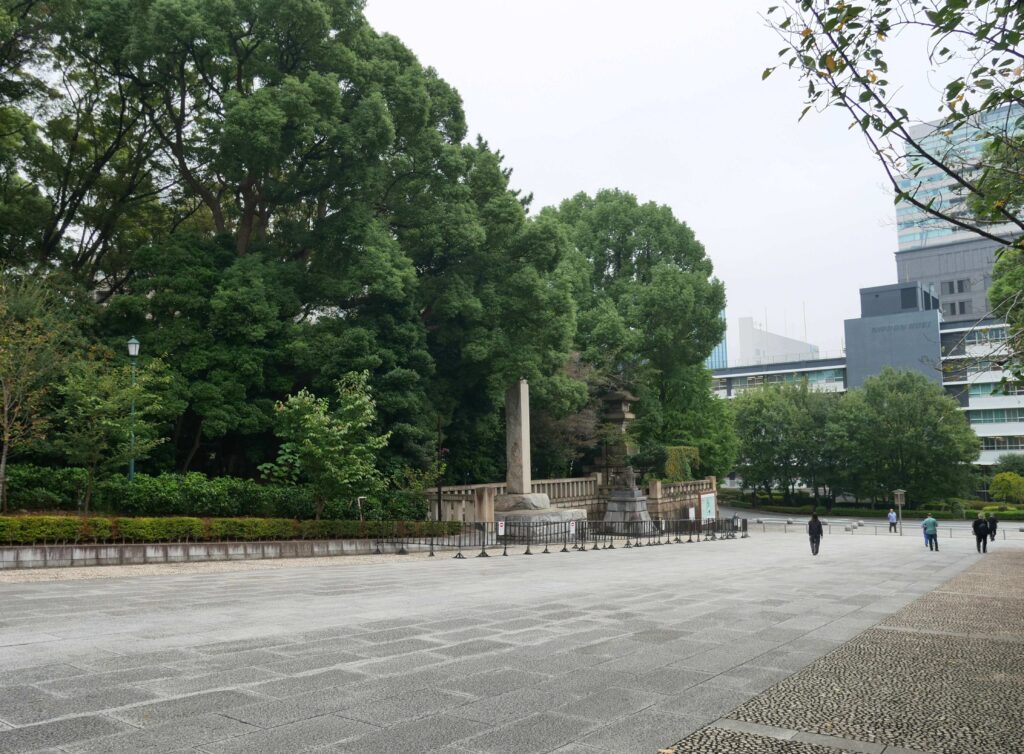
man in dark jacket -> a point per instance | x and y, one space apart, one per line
980 527
815 531
993 523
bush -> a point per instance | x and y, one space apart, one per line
251 528
680 460
27 530
36 488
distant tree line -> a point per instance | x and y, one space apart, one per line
899 431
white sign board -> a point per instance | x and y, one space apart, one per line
501 528
572 527
693 513
707 506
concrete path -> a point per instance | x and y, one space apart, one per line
610 651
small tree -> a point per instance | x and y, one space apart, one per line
100 431
31 356
330 448
1010 462
1007 486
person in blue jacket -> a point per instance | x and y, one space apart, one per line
931 532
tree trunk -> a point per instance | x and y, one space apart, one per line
88 488
3 478
195 447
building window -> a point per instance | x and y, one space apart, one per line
964 307
949 309
947 288
1002 443
908 298
996 415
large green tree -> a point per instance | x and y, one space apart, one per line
648 316
910 435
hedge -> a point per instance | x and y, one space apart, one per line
30 530
40 488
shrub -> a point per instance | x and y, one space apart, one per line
49 529
680 460
35 488
251 528
179 529
29 530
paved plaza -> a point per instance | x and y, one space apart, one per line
721 646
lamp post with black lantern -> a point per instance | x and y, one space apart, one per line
133 354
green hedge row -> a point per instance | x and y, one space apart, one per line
30 530
40 488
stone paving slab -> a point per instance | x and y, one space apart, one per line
620 651
944 675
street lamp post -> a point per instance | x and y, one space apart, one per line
133 354
899 497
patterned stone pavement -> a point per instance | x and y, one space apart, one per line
944 674
601 652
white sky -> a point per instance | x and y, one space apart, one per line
665 100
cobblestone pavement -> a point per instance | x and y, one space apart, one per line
578 653
945 674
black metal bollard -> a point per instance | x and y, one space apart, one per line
459 555
565 537
483 543
528 527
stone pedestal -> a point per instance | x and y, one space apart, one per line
627 506
544 516
533 501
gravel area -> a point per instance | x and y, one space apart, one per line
720 741
944 674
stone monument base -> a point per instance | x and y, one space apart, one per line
530 501
545 516
627 506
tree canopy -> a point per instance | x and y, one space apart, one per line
271 196
899 431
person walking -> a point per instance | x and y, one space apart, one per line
892 520
815 532
931 532
993 523
980 527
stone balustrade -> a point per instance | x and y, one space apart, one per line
471 503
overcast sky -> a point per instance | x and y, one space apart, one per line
665 100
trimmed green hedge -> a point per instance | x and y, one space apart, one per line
30 530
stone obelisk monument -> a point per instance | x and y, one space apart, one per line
520 502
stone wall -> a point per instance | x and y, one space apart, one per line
471 503
56 556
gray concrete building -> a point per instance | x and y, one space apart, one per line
898 328
958 274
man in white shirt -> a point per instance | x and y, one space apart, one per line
892 520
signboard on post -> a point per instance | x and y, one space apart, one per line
572 528
501 528
693 514
707 506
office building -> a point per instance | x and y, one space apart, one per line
719 358
758 346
